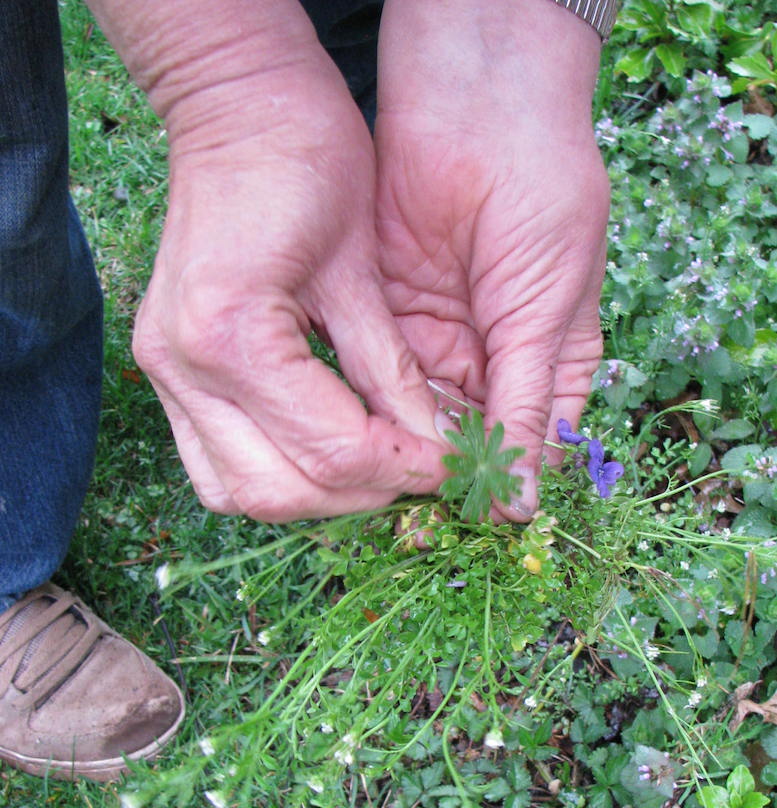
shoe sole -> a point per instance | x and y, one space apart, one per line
103 771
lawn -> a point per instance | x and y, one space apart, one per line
614 652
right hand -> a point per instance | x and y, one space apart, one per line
492 210
270 232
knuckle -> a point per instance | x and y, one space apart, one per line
266 502
339 464
216 501
202 338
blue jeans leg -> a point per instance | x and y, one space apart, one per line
50 309
348 29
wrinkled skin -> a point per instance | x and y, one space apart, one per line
492 208
267 234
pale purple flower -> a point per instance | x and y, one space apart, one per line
456 584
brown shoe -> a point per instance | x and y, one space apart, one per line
75 698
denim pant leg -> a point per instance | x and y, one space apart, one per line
50 309
348 29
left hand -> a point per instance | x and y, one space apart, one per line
492 207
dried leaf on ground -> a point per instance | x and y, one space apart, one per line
744 707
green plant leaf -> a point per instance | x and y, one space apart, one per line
759 126
672 58
736 429
481 469
519 800
763 351
497 789
599 797
739 458
769 774
718 175
740 782
755 800
700 459
696 20
769 743
713 797
753 67
637 64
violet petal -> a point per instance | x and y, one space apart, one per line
565 433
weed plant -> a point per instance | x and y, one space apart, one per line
590 656
617 651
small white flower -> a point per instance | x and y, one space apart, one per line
344 756
263 637
701 682
651 651
708 405
206 747
494 739
216 799
344 753
162 576
314 784
693 700
728 608
242 592
684 565
713 573
643 545
530 702
327 729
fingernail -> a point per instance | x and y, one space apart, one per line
525 504
521 507
443 424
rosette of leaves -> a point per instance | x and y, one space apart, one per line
480 469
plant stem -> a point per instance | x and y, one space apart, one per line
579 544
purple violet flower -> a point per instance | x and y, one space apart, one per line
565 433
603 474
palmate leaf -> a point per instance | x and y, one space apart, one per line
480 470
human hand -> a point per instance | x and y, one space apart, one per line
270 231
492 208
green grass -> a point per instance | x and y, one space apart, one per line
140 510
366 636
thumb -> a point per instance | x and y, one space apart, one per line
520 382
545 375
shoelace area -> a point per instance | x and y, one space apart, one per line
40 646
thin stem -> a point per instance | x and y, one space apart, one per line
572 540
466 404
487 646
672 491
690 742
